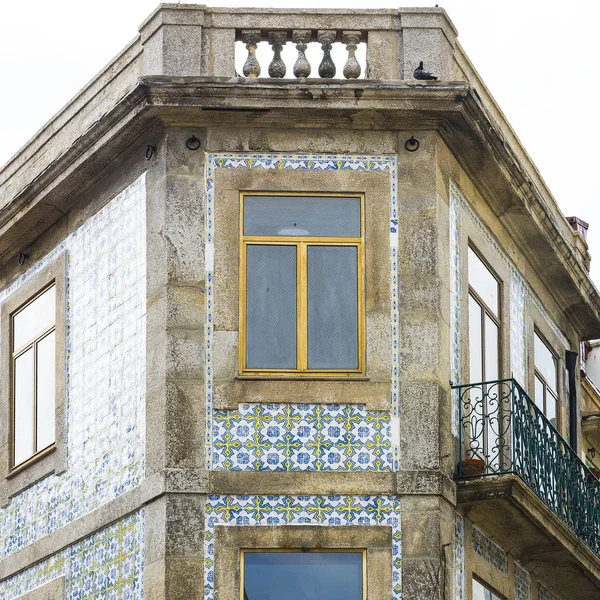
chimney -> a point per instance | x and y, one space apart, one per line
578 225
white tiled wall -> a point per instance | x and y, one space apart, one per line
106 298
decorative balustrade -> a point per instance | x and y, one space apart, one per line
503 431
301 38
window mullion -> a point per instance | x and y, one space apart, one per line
302 294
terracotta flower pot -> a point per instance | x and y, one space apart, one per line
472 467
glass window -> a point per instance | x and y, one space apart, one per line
546 379
484 322
319 216
482 592
297 575
483 283
33 376
484 355
301 287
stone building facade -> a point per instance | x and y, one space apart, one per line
190 420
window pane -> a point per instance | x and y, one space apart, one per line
46 369
23 406
483 282
539 393
475 342
34 318
332 307
480 592
551 409
270 307
545 362
302 215
492 369
303 575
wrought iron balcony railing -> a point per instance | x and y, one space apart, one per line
503 431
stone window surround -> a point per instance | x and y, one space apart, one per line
230 388
231 539
477 567
46 462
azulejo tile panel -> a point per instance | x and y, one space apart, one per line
302 437
302 510
455 304
489 550
518 332
216 447
108 564
459 557
522 583
545 594
106 307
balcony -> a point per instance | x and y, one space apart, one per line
518 477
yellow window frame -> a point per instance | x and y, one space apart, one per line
362 551
301 243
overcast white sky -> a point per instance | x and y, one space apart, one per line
538 58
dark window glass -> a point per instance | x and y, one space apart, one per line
303 576
332 307
322 216
270 307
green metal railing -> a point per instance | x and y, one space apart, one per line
503 431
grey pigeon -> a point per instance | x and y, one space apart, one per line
421 73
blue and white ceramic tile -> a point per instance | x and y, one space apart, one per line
105 318
545 594
215 447
518 331
302 437
302 510
459 557
455 304
489 550
108 564
522 583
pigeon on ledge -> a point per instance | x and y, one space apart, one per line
421 73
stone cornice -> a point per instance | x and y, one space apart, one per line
453 108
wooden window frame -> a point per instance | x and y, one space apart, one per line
301 243
362 551
52 459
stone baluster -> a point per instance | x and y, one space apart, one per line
351 68
301 37
277 40
327 66
251 37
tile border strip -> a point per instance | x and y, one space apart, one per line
302 510
295 162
